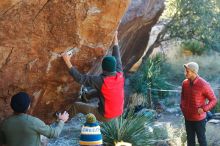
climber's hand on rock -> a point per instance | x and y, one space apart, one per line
65 56
66 59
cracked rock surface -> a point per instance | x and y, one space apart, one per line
33 33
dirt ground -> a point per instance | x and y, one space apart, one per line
174 124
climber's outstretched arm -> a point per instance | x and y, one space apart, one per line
84 79
116 53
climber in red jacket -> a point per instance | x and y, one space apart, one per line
195 92
109 85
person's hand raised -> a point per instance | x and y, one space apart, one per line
116 38
64 117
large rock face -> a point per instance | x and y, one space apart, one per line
135 29
34 32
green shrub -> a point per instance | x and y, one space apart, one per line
196 47
149 76
130 128
138 84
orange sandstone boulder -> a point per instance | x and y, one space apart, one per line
32 35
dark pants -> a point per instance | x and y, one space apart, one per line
194 128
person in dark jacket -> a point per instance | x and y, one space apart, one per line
195 92
109 85
22 129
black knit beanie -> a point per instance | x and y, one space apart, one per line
20 102
109 64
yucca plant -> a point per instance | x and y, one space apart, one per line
129 127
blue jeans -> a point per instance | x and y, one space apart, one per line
194 128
